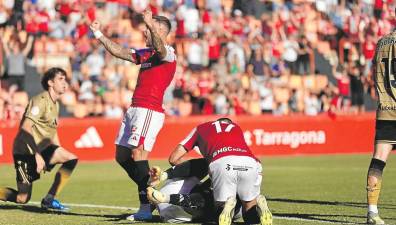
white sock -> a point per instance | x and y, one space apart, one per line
373 208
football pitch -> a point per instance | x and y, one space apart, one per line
300 190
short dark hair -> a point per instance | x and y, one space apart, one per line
225 120
163 20
50 75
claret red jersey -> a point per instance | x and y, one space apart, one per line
217 139
154 77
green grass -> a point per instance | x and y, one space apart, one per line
301 190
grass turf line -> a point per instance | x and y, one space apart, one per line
300 190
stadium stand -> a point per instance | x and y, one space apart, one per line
234 56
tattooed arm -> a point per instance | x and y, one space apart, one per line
157 42
117 50
114 48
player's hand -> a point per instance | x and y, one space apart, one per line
40 163
148 17
155 176
95 25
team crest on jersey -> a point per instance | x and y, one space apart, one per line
134 128
146 65
35 110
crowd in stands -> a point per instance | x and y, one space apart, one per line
234 56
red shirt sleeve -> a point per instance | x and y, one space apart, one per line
191 140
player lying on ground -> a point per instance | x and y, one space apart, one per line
36 145
183 198
233 169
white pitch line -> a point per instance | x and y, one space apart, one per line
135 209
93 206
310 220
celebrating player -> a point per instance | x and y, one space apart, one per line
385 139
145 117
36 146
233 170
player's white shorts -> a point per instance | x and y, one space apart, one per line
140 126
233 175
173 213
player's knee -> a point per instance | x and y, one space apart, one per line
23 198
119 159
65 155
139 153
70 164
72 157
122 155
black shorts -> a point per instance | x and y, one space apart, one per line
385 132
25 165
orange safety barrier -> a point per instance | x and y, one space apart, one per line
93 139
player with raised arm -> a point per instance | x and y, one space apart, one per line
233 170
385 128
36 145
145 117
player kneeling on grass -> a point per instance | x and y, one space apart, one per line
233 170
36 146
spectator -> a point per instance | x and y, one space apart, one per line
112 110
16 59
3 16
368 52
185 106
86 92
195 55
246 56
267 98
343 85
17 19
260 67
95 63
236 55
290 54
312 105
293 101
304 57
57 27
357 91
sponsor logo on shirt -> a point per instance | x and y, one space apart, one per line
146 65
227 149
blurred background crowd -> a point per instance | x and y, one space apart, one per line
234 57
